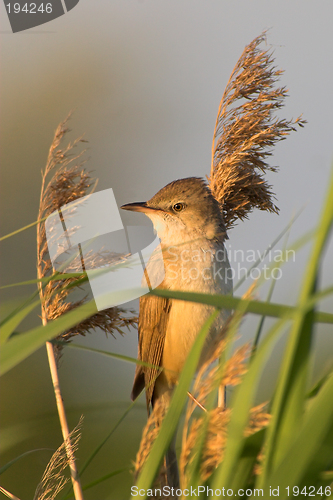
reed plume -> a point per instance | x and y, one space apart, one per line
215 422
69 182
65 180
246 130
206 381
53 479
245 133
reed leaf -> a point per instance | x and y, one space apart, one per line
288 404
170 421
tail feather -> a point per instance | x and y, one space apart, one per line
171 465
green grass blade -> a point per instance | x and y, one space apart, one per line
252 306
55 277
251 449
101 444
321 317
241 404
19 308
262 319
195 462
104 441
104 478
12 462
18 348
288 403
311 450
320 295
99 481
21 346
171 419
318 385
269 248
32 224
10 325
121 357
45 281
268 299
9 235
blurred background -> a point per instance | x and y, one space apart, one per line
145 79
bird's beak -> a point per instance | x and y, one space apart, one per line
138 207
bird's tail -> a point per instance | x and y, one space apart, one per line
171 465
161 401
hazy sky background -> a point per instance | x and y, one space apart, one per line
145 79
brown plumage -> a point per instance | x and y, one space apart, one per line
189 224
153 320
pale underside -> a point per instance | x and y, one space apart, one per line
168 327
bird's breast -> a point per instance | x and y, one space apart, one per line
202 268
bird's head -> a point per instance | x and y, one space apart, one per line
183 209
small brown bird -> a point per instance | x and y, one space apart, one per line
189 224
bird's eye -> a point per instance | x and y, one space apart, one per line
178 207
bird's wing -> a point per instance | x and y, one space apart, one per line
153 318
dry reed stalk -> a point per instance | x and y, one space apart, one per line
68 182
150 433
53 480
216 420
219 418
245 132
8 494
208 379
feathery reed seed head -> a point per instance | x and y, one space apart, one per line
245 132
65 180
53 479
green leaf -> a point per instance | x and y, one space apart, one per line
289 399
19 308
269 296
8 328
318 385
241 404
262 257
196 455
104 441
98 481
248 457
171 419
9 235
12 462
252 306
105 353
262 320
310 451
55 277
104 478
98 449
21 346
